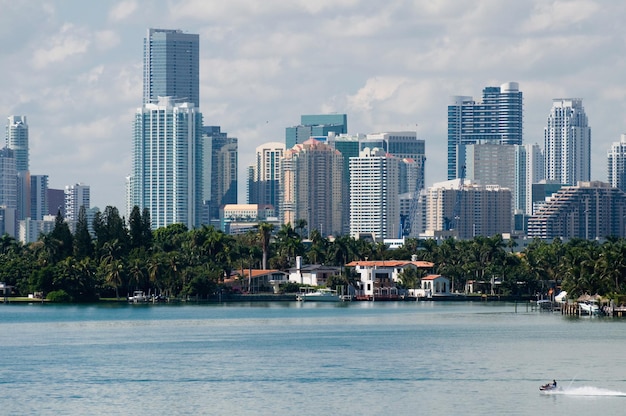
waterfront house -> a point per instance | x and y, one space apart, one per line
378 278
257 280
434 285
312 274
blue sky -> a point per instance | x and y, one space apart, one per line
74 68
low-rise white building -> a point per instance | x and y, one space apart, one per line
378 278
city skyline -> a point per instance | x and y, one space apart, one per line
79 81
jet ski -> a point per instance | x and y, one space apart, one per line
548 386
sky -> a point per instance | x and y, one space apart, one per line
74 68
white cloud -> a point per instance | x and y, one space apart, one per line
67 42
560 14
123 10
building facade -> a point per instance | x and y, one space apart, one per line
529 169
616 160
497 119
567 142
311 187
171 66
374 194
167 162
76 196
473 209
589 210
264 180
38 197
315 125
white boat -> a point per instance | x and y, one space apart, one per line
589 307
138 297
319 295
561 297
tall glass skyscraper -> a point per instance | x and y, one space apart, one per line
568 142
315 125
167 163
497 119
171 66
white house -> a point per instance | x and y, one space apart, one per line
434 285
377 279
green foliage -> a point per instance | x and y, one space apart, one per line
59 296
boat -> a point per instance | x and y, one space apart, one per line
589 307
138 297
319 295
549 386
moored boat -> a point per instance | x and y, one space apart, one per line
319 295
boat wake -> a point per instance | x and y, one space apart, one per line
585 391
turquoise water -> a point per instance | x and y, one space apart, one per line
361 358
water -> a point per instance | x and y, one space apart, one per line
368 358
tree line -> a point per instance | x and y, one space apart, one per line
121 256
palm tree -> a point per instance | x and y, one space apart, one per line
113 276
265 233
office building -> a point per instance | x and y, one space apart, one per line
223 153
496 119
465 210
589 210
17 140
348 146
616 158
315 125
311 187
567 142
264 178
76 196
529 169
374 195
167 161
171 66
38 197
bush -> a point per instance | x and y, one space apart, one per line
59 296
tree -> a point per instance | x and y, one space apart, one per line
265 233
83 243
62 235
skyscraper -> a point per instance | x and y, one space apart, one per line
315 125
167 167
529 169
567 142
38 197
17 140
167 153
171 66
497 119
76 196
616 158
311 187
264 185
220 163
8 192
374 190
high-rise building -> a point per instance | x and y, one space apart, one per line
167 156
17 140
8 192
38 197
496 119
477 210
567 142
167 161
76 196
589 210
529 169
311 187
616 157
171 66
374 190
315 125
264 183
220 156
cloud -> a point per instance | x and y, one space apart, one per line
69 41
559 15
123 10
